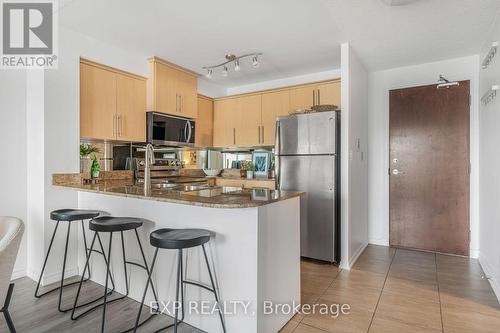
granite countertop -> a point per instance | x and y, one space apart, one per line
214 197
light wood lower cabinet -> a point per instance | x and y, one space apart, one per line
204 122
112 104
246 183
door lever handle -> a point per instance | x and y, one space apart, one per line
397 172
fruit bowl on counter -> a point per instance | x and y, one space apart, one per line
212 172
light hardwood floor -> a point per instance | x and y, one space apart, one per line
388 290
400 291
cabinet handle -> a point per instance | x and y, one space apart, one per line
262 134
258 134
314 97
234 136
319 98
176 102
120 125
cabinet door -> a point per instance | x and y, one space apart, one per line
249 118
274 104
166 97
187 89
225 119
131 108
302 98
329 93
204 123
97 103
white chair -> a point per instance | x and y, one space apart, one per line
11 233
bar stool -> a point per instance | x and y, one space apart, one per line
110 224
67 215
179 239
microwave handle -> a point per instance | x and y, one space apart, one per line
190 131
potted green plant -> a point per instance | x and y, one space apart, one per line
85 151
249 167
95 168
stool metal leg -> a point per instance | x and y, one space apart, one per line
145 291
45 263
214 289
87 266
146 266
179 284
61 285
106 283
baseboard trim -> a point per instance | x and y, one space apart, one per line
52 277
495 285
18 273
381 242
354 257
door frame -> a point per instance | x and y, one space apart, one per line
473 161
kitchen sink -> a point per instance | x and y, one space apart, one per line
190 188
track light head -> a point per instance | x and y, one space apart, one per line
224 71
255 62
236 65
209 73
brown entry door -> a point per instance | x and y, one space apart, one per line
429 168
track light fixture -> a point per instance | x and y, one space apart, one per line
231 58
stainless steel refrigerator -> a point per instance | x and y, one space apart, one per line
308 160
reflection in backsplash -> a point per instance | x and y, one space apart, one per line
120 156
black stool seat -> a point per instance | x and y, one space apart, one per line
112 223
179 238
73 214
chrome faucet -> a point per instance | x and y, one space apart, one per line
149 160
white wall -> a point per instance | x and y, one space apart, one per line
380 83
354 166
13 152
285 82
489 161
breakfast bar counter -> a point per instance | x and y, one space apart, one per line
255 248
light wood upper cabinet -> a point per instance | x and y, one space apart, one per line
131 108
204 122
97 103
225 122
329 93
172 90
274 104
112 103
249 119
302 98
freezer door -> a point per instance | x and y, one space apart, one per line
315 176
304 134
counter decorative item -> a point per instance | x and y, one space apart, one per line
249 167
261 163
95 168
85 151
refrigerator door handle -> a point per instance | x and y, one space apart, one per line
277 152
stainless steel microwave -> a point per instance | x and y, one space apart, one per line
165 130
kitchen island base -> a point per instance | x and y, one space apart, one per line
254 251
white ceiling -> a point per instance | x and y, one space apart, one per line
296 36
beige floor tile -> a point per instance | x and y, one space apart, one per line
454 303
358 298
301 328
411 288
466 321
412 311
357 279
356 321
290 326
373 265
382 325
